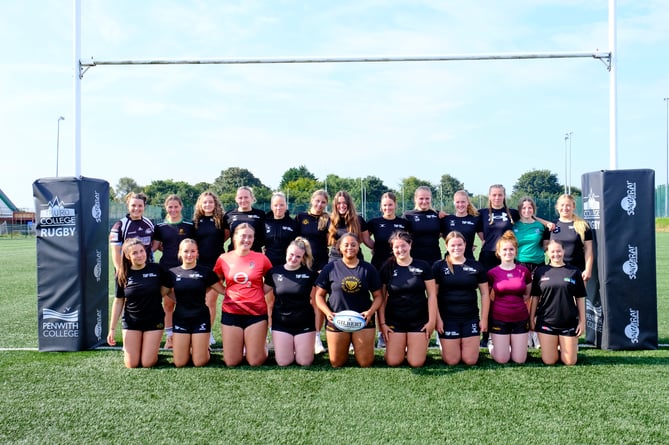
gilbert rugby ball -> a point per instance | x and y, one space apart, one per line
348 321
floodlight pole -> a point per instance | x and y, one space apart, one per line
613 89
61 118
76 112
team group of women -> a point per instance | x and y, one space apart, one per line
292 275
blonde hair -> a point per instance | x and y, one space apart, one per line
422 188
580 225
450 236
323 218
182 245
471 210
303 243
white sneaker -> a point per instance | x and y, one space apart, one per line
381 343
211 339
490 346
318 345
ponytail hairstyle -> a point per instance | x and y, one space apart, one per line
450 236
580 225
422 188
308 257
471 210
182 245
491 220
126 264
323 218
199 211
350 218
507 237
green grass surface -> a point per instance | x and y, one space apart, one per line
619 397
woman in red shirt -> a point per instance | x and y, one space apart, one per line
244 309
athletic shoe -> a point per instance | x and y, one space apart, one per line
381 343
535 340
211 339
168 342
490 346
318 345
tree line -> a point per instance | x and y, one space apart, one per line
298 183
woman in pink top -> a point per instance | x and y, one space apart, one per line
510 284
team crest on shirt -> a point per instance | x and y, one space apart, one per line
351 284
415 270
279 277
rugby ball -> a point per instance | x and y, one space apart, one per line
348 321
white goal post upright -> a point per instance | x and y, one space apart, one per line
609 57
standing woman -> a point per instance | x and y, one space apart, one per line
382 228
313 226
466 220
133 225
141 288
345 219
530 234
246 213
458 320
244 309
349 281
166 238
289 289
280 229
210 235
575 235
424 226
496 219
408 313
190 283
510 283
557 312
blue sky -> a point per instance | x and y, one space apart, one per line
483 122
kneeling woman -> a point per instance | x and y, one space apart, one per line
458 321
289 290
192 323
349 281
407 315
139 296
244 309
557 312
510 284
